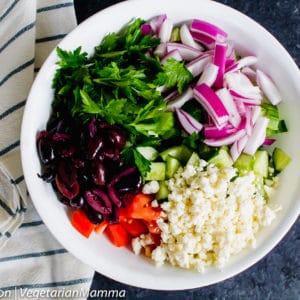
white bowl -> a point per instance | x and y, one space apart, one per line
121 264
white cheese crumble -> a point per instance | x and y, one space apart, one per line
210 215
151 187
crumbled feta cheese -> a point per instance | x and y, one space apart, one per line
151 187
210 215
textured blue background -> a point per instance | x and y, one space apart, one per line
276 276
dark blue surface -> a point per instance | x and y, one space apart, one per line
276 276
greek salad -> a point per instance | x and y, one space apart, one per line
164 140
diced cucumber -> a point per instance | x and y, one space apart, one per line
172 165
244 163
194 160
163 191
148 152
222 158
157 171
280 159
182 153
261 163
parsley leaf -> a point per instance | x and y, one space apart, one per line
174 74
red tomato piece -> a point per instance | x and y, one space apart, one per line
134 227
140 208
80 221
117 235
99 228
152 227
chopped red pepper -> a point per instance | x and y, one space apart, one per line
81 222
117 235
140 208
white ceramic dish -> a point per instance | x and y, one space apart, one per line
121 264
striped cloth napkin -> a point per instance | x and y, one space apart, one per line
30 258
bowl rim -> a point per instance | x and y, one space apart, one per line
25 154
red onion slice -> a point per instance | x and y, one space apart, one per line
211 103
187 39
189 123
225 141
173 54
227 100
219 60
258 135
187 52
209 75
165 30
268 87
180 99
207 29
197 66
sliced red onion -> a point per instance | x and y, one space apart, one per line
250 100
189 123
173 54
207 29
230 105
249 121
219 60
237 147
204 39
161 50
229 63
268 87
240 105
165 30
258 135
209 75
225 141
187 39
242 86
250 73
187 52
197 66
269 141
213 132
156 22
243 62
180 99
256 111
230 52
146 28
211 103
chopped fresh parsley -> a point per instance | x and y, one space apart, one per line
119 84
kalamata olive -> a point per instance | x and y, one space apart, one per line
48 174
113 217
108 152
70 191
61 137
78 163
129 184
64 200
93 147
77 202
94 216
98 173
97 203
116 138
67 172
45 148
65 150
